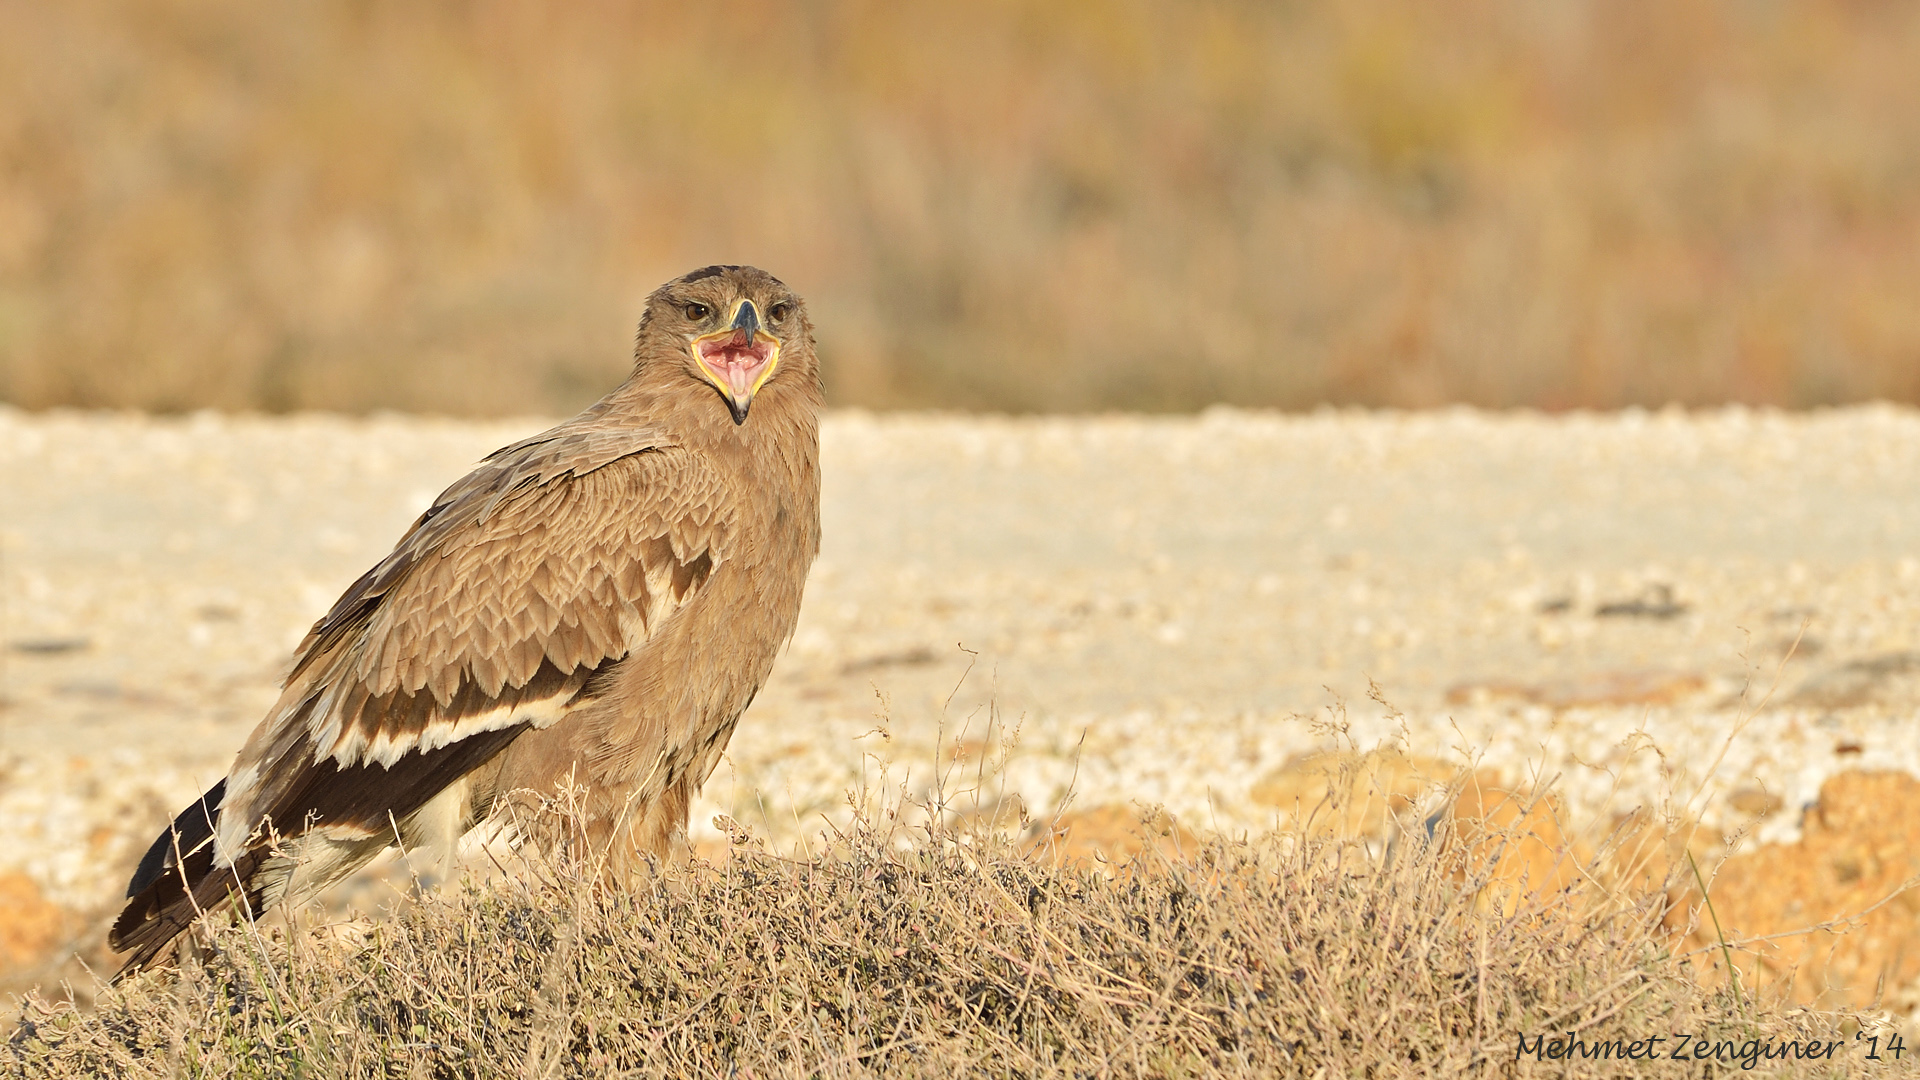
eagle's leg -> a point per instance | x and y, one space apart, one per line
633 840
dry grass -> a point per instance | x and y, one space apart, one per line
1021 204
904 951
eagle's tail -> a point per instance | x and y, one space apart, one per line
177 882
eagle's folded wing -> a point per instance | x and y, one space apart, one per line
555 559
494 614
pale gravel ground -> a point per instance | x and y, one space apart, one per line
1157 603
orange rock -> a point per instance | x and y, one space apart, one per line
31 927
1585 691
1647 855
1859 845
1515 846
1347 795
1113 834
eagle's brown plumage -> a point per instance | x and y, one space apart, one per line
599 601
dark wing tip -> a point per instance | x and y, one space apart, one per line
159 902
165 909
192 828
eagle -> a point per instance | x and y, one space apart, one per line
594 606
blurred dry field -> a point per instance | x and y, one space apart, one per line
457 207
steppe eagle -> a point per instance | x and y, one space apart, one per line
600 601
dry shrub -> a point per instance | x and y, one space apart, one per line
921 951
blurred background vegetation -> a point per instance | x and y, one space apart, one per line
458 206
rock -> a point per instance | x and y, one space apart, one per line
1886 679
1646 854
1587 691
1343 794
31 926
1515 849
1654 602
1112 833
1755 802
1859 845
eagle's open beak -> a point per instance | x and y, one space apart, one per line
738 359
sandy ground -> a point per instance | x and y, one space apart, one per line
1167 610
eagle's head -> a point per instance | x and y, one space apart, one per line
737 329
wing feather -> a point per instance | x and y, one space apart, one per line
557 557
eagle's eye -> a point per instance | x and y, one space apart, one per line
698 312
780 311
